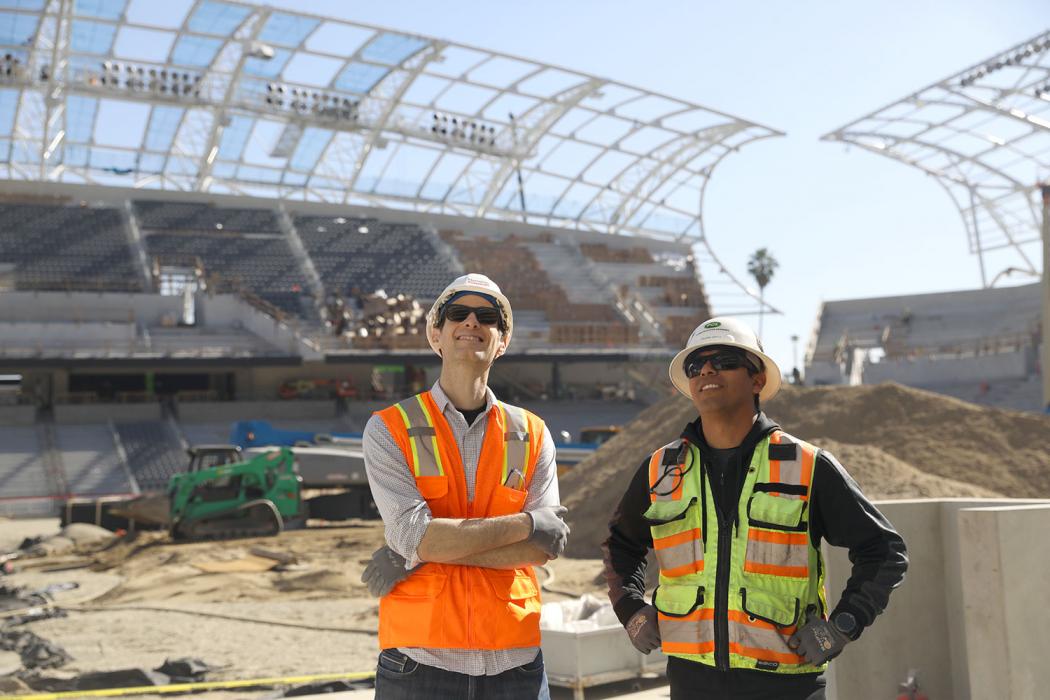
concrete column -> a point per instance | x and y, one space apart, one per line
1005 562
1044 360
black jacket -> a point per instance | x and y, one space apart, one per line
839 514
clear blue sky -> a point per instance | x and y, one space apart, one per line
842 224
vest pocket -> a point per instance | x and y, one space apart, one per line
506 501
516 585
422 584
778 610
432 488
677 537
776 512
678 600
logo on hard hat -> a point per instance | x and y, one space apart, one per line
713 324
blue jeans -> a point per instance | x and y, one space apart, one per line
400 678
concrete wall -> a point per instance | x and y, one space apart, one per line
1006 600
101 412
924 371
230 411
17 415
927 625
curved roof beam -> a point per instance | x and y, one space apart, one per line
991 123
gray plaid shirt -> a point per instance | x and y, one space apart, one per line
406 515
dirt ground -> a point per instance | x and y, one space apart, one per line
145 600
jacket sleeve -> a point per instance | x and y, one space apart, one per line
625 550
844 517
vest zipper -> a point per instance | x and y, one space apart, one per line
725 543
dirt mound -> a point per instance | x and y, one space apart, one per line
896 441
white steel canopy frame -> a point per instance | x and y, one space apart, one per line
984 134
237 98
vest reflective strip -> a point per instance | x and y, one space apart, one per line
656 471
777 553
515 442
677 554
760 640
692 634
798 471
426 460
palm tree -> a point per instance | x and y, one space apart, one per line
762 265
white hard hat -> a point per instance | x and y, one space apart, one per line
471 282
734 333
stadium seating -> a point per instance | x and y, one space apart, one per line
153 453
261 264
190 216
90 459
370 255
54 247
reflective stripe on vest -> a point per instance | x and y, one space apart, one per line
677 541
774 550
426 460
515 442
774 575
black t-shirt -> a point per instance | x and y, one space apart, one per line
471 416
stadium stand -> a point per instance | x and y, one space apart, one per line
514 266
91 461
234 249
152 451
664 287
22 472
979 345
50 247
370 255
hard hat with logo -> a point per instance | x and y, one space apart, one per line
471 283
731 332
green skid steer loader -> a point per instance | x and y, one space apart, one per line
254 498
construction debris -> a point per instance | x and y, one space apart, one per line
35 652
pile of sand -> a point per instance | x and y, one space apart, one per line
897 442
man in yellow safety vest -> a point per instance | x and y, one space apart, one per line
736 510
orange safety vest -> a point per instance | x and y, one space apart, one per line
447 606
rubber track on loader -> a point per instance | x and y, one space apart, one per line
253 519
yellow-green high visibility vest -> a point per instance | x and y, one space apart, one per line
732 597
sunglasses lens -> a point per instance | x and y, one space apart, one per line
719 362
486 316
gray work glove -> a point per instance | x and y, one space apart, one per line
385 571
549 531
644 630
818 641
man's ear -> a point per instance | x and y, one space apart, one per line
435 336
758 383
501 349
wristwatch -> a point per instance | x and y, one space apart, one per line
846 623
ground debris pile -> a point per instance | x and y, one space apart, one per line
897 442
36 652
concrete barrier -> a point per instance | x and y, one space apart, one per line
1005 566
103 412
230 411
927 626
17 415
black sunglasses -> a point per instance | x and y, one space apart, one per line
724 360
486 315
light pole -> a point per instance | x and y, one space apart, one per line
794 354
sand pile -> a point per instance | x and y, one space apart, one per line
897 442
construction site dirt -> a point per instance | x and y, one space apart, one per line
294 604
298 608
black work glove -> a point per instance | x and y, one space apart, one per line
818 641
644 630
549 531
385 571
